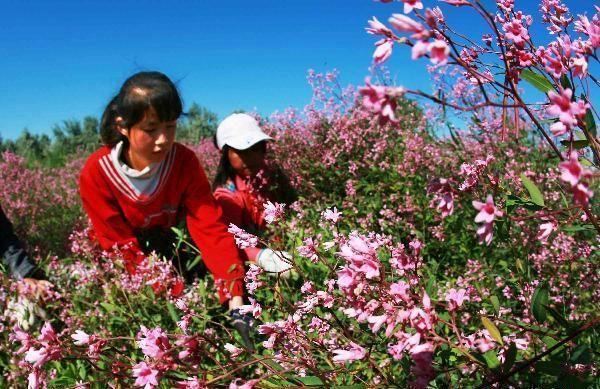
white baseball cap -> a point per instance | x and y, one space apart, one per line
240 131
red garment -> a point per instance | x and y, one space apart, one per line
242 208
117 213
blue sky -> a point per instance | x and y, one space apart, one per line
65 59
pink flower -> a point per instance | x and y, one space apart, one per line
545 230
332 215
419 49
579 66
383 50
562 106
455 298
354 353
409 5
253 307
145 375
47 334
403 23
154 343
439 51
273 211
37 357
582 194
233 350
243 239
381 100
487 213
558 129
378 28
309 250
80 338
239 384
456 3
571 170
516 32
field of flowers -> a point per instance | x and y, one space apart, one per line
426 253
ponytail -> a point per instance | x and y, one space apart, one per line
109 133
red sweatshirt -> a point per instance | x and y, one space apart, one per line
242 208
118 209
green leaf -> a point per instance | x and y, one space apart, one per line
536 80
566 83
109 307
538 304
492 329
549 341
510 358
495 304
534 192
590 123
172 312
576 144
310 381
491 359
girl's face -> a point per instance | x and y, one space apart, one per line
149 140
247 163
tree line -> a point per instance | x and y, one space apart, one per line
74 137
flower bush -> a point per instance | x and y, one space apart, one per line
420 259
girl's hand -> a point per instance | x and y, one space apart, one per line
275 262
34 289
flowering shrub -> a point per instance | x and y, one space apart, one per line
466 260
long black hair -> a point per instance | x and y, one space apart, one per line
140 92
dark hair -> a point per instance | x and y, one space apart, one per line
139 92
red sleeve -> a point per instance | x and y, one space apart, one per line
110 227
233 212
208 231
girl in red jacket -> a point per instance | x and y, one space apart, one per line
141 183
236 186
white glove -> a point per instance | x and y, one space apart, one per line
25 312
275 262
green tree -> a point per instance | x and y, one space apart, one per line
197 124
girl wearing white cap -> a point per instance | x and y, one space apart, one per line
243 150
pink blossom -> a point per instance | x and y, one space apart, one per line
419 49
545 230
243 239
455 298
582 194
558 129
383 50
403 23
487 213
378 28
332 215
80 338
273 211
579 66
309 250
233 350
380 100
409 5
37 357
354 353
253 308
456 3
516 32
571 170
153 343
438 52
562 106
145 375
47 334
